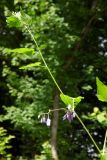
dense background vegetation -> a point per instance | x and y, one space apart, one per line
72 36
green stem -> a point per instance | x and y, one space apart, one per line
88 133
105 139
58 86
44 61
52 110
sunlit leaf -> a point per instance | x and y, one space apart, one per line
66 99
36 64
78 99
14 20
25 18
101 90
103 157
70 100
18 19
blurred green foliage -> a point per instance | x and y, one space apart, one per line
4 144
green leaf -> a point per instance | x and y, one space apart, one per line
66 99
87 87
26 19
101 117
23 50
101 90
78 99
69 100
37 64
14 20
19 19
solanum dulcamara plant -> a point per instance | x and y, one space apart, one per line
23 21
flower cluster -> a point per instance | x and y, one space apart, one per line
70 114
45 119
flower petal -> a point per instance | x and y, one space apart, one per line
69 116
74 114
65 117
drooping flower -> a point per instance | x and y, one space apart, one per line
48 122
69 115
43 119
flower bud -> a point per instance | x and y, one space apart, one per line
43 120
69 106
48 122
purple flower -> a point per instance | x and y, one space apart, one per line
64 117
69 115
74 114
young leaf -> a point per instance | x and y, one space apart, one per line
18 19
78 99
25 18
37 64
101 90
14 20
69 100
66 99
